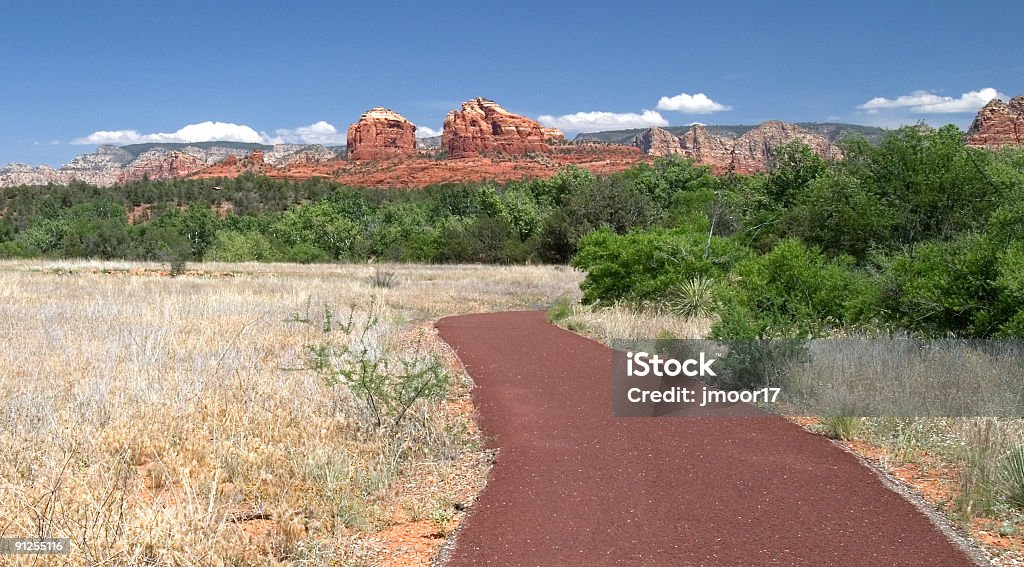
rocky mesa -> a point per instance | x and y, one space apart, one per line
998 124
483 127
381 133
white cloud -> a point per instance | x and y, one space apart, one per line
317 133
426 132
320 132
596 121
924 102
699 103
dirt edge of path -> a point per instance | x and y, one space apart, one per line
952 532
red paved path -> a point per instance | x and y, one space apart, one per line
575 486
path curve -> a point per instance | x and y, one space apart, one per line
573 485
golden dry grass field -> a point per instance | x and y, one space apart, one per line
176 421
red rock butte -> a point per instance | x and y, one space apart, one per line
483 127
379 134
998 124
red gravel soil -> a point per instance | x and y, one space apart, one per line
573 485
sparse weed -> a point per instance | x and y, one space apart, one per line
384 279
977 490
387 382
560 310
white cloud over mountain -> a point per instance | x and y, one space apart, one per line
596 121
924 102
317 133
698 103
426 132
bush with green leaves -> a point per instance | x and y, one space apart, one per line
234 246
972 286
644 266
793 291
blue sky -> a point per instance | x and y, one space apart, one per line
283 71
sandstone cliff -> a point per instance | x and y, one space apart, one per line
14 174
658 142
483 127
748 153
707 149
754 150
380 134
102 167
998 124
156 164
288 154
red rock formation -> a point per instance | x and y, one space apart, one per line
998 124
553 135
658 142
707 149
232 166
161 165
381 134
484 127
754 150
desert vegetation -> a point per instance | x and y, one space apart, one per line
241 414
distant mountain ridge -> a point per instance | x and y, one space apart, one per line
109 165
831 131
749 152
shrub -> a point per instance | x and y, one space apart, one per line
751 364
355 353
234 246
304 253
643 266
971 286
793 291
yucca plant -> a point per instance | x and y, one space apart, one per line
1011 476
694 298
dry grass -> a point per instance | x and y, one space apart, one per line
604 324
169 421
